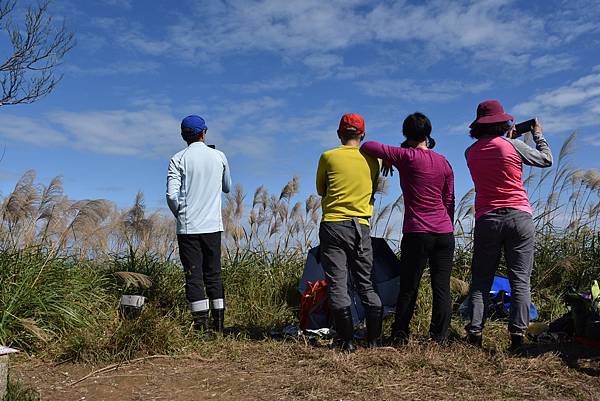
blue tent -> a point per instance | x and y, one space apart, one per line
502 284
386 276
500 297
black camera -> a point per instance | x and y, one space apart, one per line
524 127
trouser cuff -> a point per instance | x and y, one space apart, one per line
218 303
199 306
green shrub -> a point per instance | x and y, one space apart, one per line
119 340
261 290
45 297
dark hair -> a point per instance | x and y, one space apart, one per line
416 127
350 134
491 129
190 135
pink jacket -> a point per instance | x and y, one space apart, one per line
496 166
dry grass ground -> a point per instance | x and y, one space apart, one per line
271 370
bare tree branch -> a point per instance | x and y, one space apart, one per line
38 45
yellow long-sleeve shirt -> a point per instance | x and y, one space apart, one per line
347 179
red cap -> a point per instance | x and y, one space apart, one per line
490 111
352 122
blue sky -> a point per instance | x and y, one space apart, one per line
272 79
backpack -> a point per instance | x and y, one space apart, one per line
314 313
585 312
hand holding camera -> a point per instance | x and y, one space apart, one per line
519 129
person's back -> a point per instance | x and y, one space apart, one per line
426 180
201 170
427 183
346 182
503 188
196 177
503 215
346 179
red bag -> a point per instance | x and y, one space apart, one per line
313 302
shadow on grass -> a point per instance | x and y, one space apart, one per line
576 356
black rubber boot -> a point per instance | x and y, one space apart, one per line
374 321
474 338
516 342
200 321
344 329
398 336
218 318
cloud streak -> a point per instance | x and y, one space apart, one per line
426 91
151 131
569 107
314 33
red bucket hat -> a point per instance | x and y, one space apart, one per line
352 122
490 111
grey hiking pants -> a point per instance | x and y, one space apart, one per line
346 250
511 230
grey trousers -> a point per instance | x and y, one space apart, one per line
513 231
346 250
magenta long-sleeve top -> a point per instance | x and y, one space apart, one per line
427 182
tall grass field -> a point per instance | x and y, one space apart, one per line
64 263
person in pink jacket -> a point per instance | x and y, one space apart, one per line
427 183
502 215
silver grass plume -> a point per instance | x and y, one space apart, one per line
382 186
257 199
290 189
239 202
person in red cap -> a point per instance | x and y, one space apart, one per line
346 181
502 215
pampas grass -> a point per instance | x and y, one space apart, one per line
60 259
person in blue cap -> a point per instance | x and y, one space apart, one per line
196 177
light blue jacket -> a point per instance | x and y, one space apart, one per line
197 175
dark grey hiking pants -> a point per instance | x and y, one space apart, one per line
346 249
513 231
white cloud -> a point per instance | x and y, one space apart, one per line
479 26
322 61
145 132
426 91
593 140
352 72
28 130
127 4
570 107
574 18
150 131
120 68
548 64
315 32
269 85
143 43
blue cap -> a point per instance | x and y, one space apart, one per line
197 123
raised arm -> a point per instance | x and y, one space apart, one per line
541 156
448 192
322 176
226 180
381 151
173 186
